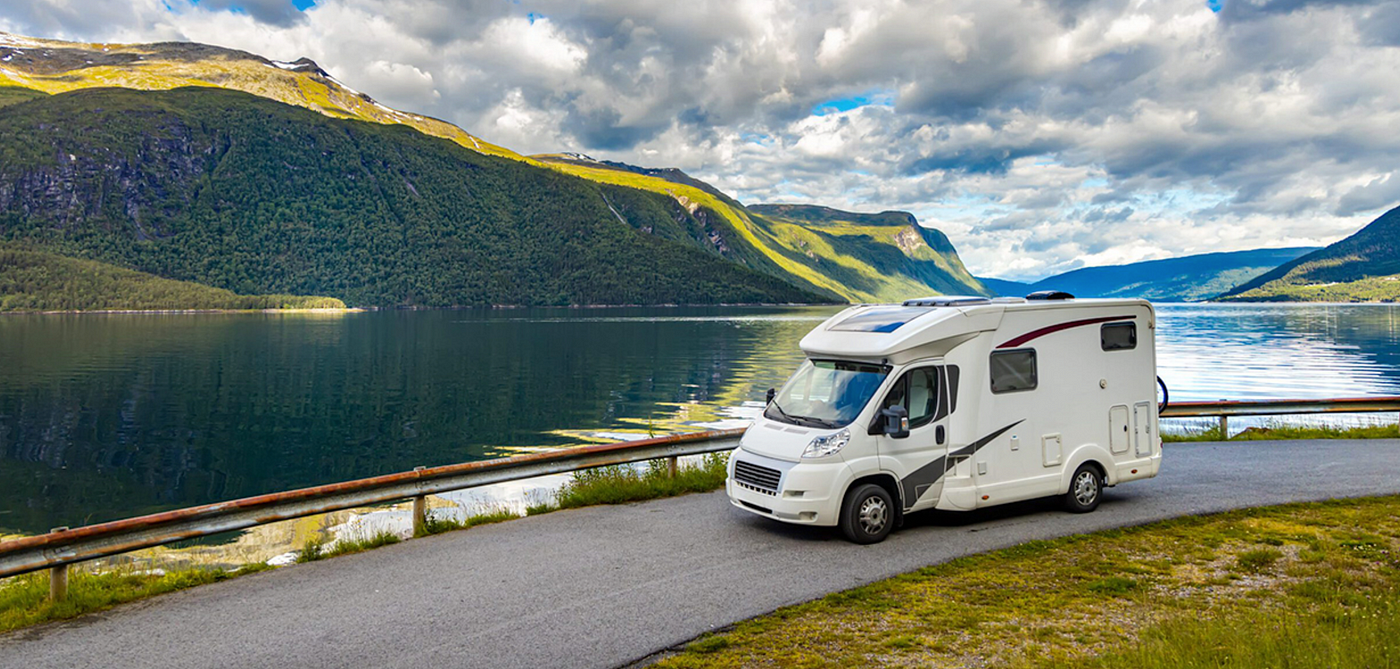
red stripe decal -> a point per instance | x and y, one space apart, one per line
1061 326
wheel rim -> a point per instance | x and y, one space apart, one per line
1086 488
874 513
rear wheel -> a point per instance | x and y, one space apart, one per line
867 514
1085 490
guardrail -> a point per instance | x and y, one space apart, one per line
62 546
1226 408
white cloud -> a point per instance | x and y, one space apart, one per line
1040 135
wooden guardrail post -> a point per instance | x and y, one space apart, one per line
58 577
672 464
1224 427
420 512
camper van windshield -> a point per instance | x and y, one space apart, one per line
826 393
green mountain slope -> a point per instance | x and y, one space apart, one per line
860 263
877 257
250 195
1186 279
37 281
1364 267
54 66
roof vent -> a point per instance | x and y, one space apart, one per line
1049 295
947 301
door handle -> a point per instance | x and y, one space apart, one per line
939 435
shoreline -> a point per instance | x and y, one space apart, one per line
727 305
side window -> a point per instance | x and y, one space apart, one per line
920 392
1118 336
1013 370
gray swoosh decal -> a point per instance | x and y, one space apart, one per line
931 472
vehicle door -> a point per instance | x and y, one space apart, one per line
919 460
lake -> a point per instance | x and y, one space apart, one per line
110 416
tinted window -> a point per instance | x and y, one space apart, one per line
1013 370
1118 336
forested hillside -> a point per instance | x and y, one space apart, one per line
1364 267
242 193
36 281
182 219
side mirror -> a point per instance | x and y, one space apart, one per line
896 422
772 392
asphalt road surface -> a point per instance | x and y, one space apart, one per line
607 586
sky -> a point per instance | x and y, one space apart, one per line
1041 136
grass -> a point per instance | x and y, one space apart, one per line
316 549
24 599
433 525
1300 585
622 484
1280 431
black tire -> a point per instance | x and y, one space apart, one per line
867 514
1085 490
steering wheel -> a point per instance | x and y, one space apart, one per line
1161 406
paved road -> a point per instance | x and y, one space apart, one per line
603 587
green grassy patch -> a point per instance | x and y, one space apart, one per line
1301 585
318 550
434 525
24 600
621 484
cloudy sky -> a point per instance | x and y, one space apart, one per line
1041 136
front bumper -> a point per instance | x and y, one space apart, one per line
808 493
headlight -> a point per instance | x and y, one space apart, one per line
827 444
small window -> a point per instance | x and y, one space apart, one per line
1013 370
1118 336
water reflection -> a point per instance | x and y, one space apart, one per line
105 417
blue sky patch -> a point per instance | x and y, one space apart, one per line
838 105
1215 5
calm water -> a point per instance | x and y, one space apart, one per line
104 417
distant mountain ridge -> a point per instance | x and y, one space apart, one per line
1186 279
1364 267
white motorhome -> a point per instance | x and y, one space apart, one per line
955 403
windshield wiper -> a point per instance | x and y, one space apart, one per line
798 420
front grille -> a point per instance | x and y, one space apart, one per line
757 476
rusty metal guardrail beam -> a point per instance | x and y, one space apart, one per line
60 548
1280 407
63 547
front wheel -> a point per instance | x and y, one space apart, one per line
867 514
1085 490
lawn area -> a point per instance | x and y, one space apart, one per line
1301 585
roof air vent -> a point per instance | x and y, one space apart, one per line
947 301
1049 295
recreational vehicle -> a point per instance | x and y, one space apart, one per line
955 403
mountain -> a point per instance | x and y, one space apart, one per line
1186 279
1364 267
877 257
1006 287
37 281
661 204
250 195
53 66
